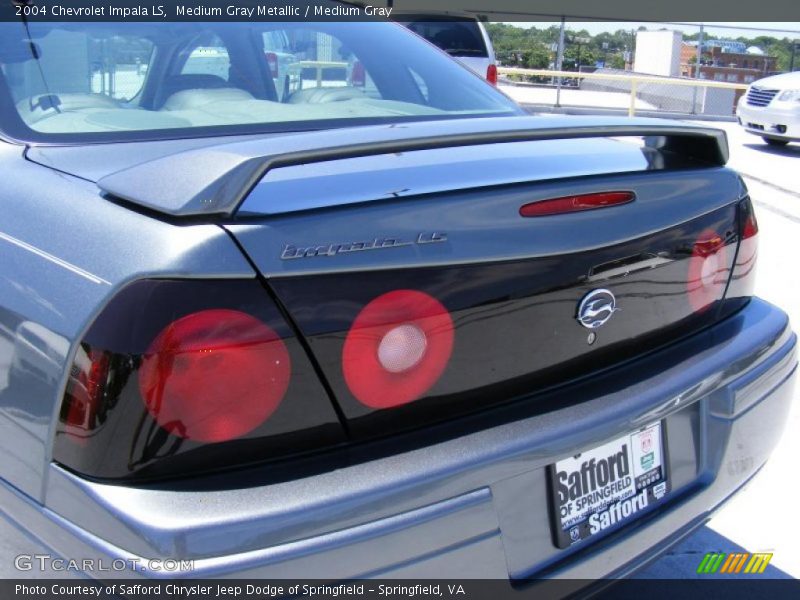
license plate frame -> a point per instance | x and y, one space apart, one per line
634 475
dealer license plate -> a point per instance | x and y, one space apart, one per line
600 488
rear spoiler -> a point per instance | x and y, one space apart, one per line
215 180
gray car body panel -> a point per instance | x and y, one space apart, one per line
461 499
94 161
474 221
420 512
215 180
82 250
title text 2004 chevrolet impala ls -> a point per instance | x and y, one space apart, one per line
288 306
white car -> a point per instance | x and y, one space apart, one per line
771 109
462 36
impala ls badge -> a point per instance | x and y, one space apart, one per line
292 251
596 308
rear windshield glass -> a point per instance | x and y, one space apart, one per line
121 80
457 38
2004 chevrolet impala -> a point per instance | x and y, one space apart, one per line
298 300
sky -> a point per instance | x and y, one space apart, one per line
779 29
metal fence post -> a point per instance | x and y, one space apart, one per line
632 107
697 67
560 60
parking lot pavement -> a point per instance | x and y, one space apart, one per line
534 95
772 165
682 561
762 518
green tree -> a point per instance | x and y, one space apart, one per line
531 47
616 62
536 57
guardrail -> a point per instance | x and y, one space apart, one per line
634 80
319 66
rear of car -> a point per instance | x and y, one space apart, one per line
771 109
384 332
462 37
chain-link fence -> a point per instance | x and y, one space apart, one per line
639 68
122 81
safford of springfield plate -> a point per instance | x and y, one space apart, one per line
610 484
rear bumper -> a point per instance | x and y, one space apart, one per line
474 506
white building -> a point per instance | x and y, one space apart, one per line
658 53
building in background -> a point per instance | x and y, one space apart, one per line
658 52
724 45
664 53
719 63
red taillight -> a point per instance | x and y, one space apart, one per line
749 245
569 204
214 375
358 77
272 63
743 278
750 228
708 270
397 348
176 377
85 391
491 74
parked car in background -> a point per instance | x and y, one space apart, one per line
462 36
385 324
283 64
771 109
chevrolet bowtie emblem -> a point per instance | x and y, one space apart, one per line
596 308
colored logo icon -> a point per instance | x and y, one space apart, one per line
734 563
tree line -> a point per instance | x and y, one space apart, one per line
535 47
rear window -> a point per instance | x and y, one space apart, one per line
79 81
457 38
